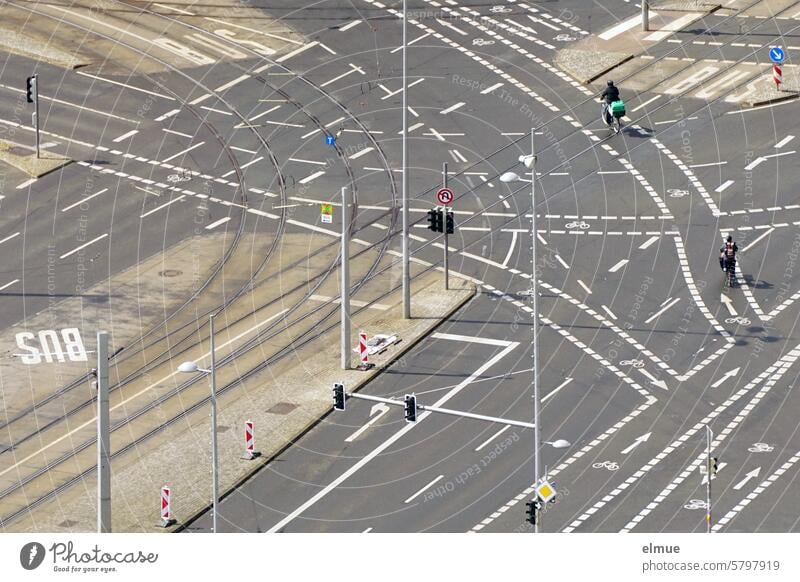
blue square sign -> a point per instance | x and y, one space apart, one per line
330 140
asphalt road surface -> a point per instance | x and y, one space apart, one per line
641 344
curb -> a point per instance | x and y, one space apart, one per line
780 99
607 70
262 461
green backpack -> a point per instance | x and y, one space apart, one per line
618 108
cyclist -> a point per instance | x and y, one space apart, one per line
727 255
610 95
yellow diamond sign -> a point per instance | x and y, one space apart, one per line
545 491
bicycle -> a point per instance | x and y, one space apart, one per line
613 120
730 272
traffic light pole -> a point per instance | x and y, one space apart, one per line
345 282
534 292
446 247
103 438
645 15
406 286
708 476
439 410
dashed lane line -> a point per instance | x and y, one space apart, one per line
769 378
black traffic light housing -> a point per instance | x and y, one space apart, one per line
411 408
532 507
450 223
339 397
435 219
714 465
31 85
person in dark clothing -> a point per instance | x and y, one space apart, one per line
610 95
727 253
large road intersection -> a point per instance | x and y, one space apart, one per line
220 131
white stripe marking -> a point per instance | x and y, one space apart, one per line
83 246
425 488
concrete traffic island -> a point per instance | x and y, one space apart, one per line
25 160
283 401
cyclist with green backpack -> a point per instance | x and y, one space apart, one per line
613 107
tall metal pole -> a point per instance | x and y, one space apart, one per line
345 339
446 245
534 293
645 15
36 109
103 438
708 476
406 271
214 458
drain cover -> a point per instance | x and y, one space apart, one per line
170 273
282 408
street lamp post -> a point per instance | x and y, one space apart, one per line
406 272
530 163
709 470
191 368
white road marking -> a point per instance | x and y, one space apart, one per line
304 161
230 84
555 390
216 223
260 115
492 438
618 266
26 183
511 248
75 105
238 149
585 287
82 200
10 237
349 25
388 442
400 90
764 234
622 27
472 339
397 49
125 136
353 69
243 166
725 377
662 310
610 313
722 163
168 114
7 285
784 141
645 104
750 475
297 51
157 208
83 246
311 177
646 244
181 153
363 152
452 108
425 488
186 135
451 27
492 88
560 260
724 186
220 111
644 438
126 86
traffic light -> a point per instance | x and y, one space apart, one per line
450 223
713 463
530 513
31 89
338 397
411 408
435 219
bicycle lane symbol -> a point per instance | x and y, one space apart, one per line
610 465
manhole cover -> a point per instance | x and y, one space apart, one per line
68 523
170 273
222 428
282 408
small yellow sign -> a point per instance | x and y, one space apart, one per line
326 209
545 491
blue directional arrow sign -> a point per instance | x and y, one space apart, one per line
777 55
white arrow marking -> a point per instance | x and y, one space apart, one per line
380 408
726 301
553 393
636 443
754 473
720 467
660 383
727 375
450 26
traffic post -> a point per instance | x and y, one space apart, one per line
103 437
445 196
363 352
435 219
532 509
777 56
33 97
345 291
166 508
249 442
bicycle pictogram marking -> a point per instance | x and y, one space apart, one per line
564 38
481 42
761 448
634 363
575 224
740 320
500 9
610 465
696 504
675 193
